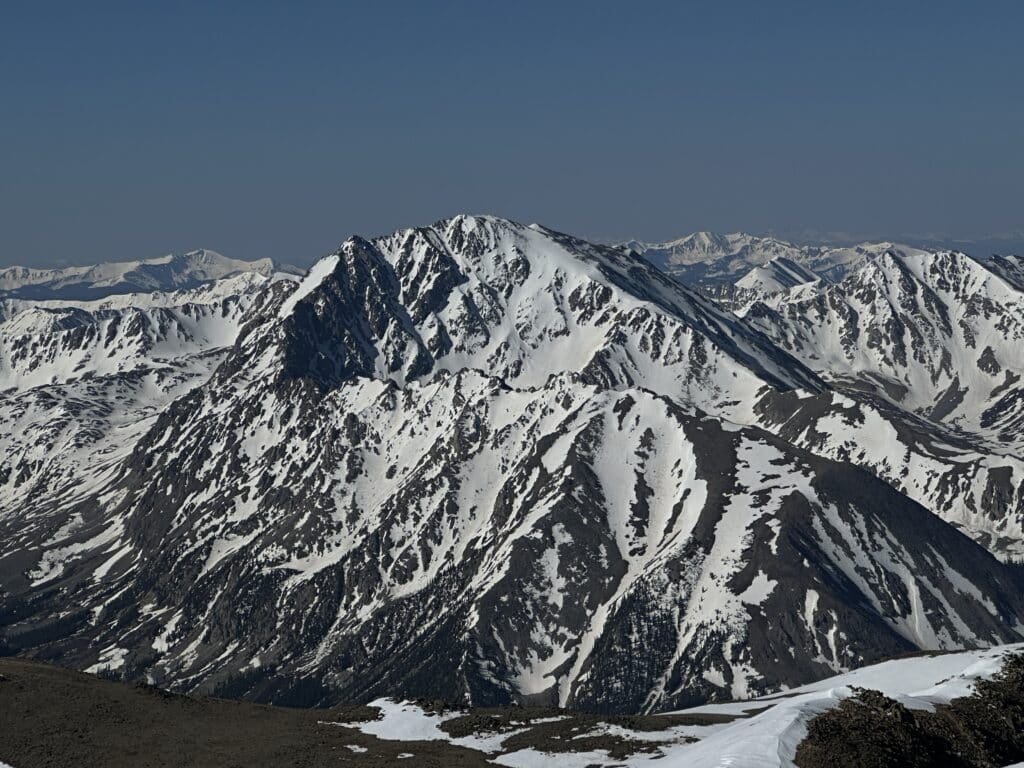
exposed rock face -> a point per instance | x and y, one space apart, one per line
492 463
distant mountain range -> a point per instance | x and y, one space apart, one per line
495 463
166 273
710 259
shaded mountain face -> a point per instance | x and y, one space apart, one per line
166 273
492 463
1010 268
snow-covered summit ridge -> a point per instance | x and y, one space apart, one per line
522 303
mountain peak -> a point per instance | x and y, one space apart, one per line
520 302
777 274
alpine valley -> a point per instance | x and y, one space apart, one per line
498 465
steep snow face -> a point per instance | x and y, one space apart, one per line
1009 267
165 273
309 283
777 275
492 462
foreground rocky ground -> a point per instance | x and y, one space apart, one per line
54 717
955 710
870 729
51 716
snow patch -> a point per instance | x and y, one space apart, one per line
316 275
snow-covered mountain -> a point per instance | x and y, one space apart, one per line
180 271
773 277
704 247
937 333
712 261
927 351
82 381
476 460
778 274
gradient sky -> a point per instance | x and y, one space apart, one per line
257 129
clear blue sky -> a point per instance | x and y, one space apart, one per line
278 129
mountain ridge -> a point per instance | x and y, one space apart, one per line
713 261
175 271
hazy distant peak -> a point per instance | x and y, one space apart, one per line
709 258
175 271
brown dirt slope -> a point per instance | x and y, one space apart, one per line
55 717
52 717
